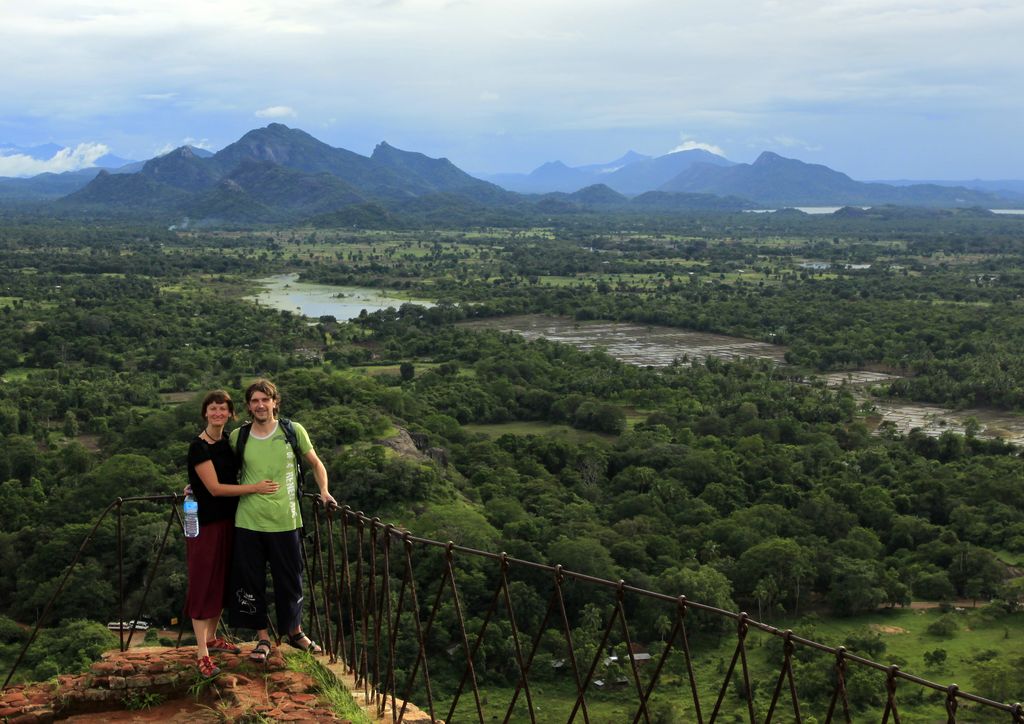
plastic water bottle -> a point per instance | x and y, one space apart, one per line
191 517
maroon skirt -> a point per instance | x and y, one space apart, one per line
209 563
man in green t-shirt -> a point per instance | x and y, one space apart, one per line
269 531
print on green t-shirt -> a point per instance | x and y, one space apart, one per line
271 458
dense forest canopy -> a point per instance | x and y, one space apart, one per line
739 483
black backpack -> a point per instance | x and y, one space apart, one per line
289 435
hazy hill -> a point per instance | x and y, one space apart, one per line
668 201
1008 188
435 175
599 195
46 185
773 180
650 174
182 169
557 176
128 191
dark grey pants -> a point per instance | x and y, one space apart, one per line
248 595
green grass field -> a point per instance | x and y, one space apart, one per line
536 428
394 370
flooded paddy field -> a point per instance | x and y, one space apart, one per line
658 346
638 344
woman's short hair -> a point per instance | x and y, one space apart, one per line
219 396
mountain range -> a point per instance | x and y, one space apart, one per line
279 174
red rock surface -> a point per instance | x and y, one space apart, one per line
116 687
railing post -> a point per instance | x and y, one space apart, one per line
348 652
840 691
741 634
524 668
890 695
785 674
376 604
951 703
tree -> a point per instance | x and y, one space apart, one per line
705 585
856 586
782 564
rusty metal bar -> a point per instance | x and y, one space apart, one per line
67 574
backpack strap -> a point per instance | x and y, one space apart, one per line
243 437
293 439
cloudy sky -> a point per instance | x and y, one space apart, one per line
879 89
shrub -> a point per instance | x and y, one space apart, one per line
944 626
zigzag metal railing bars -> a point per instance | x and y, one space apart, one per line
386 637
372 618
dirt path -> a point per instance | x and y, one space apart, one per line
959 603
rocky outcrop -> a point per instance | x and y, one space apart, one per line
160 684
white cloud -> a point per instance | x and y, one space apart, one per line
203 143
276 112
690 145
541 71
83 155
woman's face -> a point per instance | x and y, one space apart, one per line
217 413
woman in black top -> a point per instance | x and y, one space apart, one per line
212 476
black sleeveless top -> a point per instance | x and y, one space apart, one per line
213 508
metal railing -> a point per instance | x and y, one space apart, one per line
371 599
366 591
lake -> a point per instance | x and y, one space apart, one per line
286 293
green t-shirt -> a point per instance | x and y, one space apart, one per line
271 458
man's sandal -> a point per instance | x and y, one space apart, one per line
304 643
222 646
261 651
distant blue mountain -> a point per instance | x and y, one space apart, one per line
279 173
51 185
630 174
649 174
46 185
1011 188
775 181
557 176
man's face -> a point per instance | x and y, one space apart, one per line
262 406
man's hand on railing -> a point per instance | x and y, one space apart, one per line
326 499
